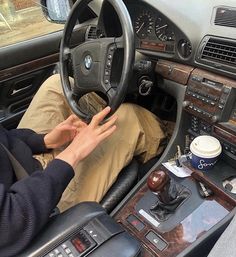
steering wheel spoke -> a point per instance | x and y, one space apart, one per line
66 54
119 41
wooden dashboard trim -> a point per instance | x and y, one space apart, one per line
175 238
29 66
177 72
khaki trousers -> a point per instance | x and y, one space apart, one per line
138 134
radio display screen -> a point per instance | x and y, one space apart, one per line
216 85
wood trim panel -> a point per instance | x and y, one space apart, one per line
177 72
199 176
182 235
29 66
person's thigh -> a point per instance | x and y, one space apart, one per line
95 175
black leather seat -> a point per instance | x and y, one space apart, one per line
125 181
127 178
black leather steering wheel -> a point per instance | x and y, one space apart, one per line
92 61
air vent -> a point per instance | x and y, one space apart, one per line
225 17
220 51
91 32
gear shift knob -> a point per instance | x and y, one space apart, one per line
159 182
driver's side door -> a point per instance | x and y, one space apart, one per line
29 53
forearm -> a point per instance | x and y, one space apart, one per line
32 139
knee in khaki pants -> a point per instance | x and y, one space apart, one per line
48 107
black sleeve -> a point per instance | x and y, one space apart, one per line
32 139
26 206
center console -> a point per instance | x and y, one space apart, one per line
83 230
184 232
209 108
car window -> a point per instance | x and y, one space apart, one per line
23 19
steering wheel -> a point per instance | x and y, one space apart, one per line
93 61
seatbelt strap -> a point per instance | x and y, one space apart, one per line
20 172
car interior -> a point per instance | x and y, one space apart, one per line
174 58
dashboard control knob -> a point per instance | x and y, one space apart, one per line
185 48
214 118
186 104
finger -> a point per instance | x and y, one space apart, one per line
68 128
79 124
100 116
72 119
107 133
107 125
69 120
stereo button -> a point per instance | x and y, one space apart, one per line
226 90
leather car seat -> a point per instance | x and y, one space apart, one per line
127 178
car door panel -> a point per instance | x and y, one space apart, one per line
26 66
37 48
17 93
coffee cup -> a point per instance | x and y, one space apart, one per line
205 151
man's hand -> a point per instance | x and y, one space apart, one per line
64 132
88 138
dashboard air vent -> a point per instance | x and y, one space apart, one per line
225 16
91 32
220 51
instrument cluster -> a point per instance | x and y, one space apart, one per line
152 30
146 23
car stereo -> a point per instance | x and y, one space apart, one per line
209 97
210 101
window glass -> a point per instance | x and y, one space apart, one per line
23 19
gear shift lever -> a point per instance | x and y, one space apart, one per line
159 183
169 194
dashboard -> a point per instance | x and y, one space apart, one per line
201 34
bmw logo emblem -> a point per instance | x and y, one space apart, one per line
88 62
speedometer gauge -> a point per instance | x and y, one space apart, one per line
163 30
144 24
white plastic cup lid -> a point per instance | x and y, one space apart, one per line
206 146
